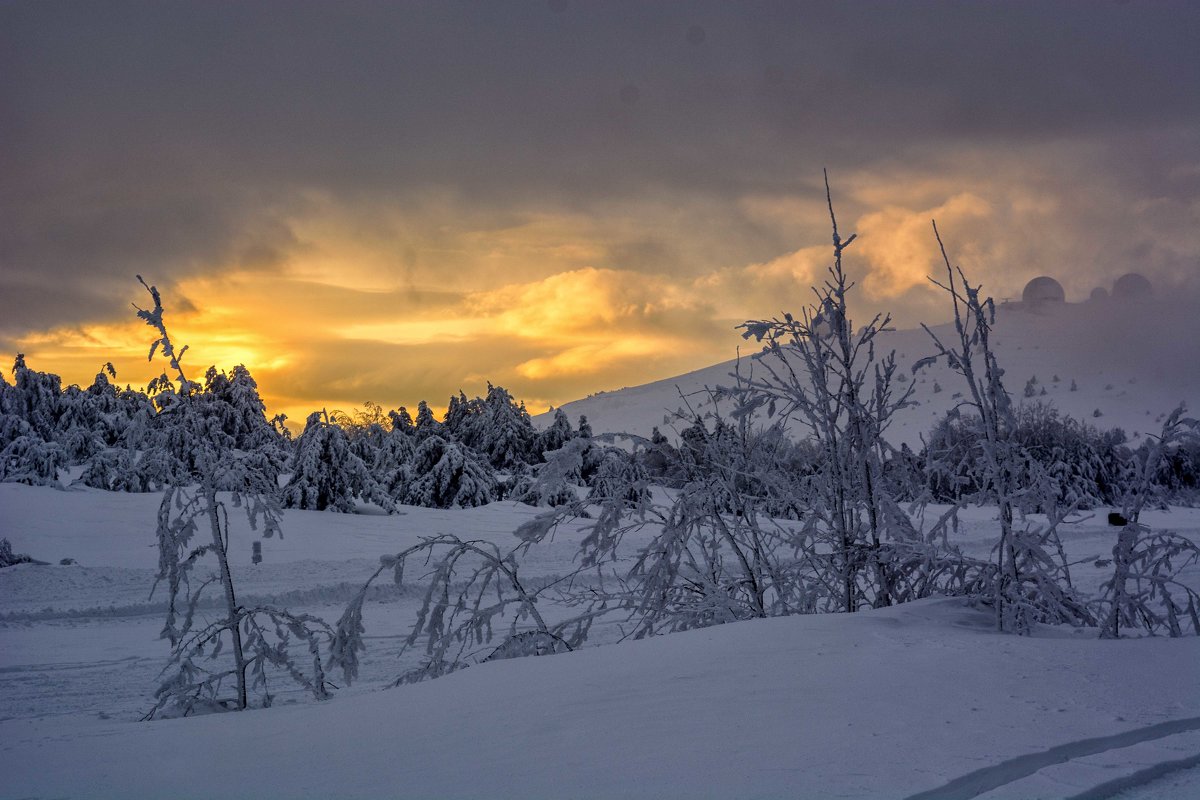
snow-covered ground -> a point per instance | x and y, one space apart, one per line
924 697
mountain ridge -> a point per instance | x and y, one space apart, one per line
1131 362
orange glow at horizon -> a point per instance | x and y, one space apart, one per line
422 308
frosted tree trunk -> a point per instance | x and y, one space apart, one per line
232 615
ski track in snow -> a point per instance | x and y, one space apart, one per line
1006 773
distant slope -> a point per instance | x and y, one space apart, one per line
1132 361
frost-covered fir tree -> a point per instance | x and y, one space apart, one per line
506 434
444 474
32 407
327 474
242 412
28 459
402 421
496 426
391 466
365 428
425 424
36 397
658 456
619 478
459 422
79 430
557 433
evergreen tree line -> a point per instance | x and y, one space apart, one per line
484 449
487 449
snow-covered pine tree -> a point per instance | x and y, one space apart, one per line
392 458
30 460
657 456
557 433
619 478
445 474
13 427
459 423
32 407
506 434
495 426
365 429
242 411
79 429
425 424
327 474
114 409
36 397
402 421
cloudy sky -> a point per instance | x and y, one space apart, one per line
389 202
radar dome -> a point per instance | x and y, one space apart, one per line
1040 291
1132 286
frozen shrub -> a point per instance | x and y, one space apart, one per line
1082 463
473 586
825 378
8 558
554 482
1031 580
1144 591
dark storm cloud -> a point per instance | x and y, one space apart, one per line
177 138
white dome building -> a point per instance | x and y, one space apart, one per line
1042 292
1132 286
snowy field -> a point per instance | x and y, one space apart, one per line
920 698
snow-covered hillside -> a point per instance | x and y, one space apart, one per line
1131 360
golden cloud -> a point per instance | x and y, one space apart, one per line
898 245
578 302
397 304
